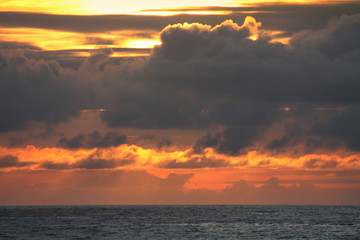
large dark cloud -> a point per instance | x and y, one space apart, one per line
33 91
219 76
38 90
201 77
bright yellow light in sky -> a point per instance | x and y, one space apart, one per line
145 43
98 7
84 7
57 40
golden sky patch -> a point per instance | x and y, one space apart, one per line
83 7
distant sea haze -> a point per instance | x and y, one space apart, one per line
180 222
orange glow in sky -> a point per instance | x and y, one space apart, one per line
251 167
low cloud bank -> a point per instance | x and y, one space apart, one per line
140 187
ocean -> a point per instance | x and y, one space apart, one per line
180 222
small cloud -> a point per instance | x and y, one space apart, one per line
197 163
100 163
55 166
93 140
91 163
99 41
165 142
320 163
12 161
209 140
264 163
88 163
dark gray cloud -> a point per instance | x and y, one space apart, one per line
320 163
98 163
38 90
197 162
93 140
55 166
343 127
12 161
340 37
219 76
39 132
91 162
69 58
17 45
33 90
202 77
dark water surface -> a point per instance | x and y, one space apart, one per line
180 222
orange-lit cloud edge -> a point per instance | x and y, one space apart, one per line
129 174
163 162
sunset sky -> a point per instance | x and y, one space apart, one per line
179 102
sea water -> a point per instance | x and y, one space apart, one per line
180 222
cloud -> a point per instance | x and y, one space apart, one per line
272 192
55 166
140 187
210 140
342 127
196 162
165 142
91 162
181 41
96 163
198 78
320 163
116 187
12 161
242 84
93 140
194 96
340 37
31 91
17 45
99 41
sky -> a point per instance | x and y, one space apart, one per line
179 102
